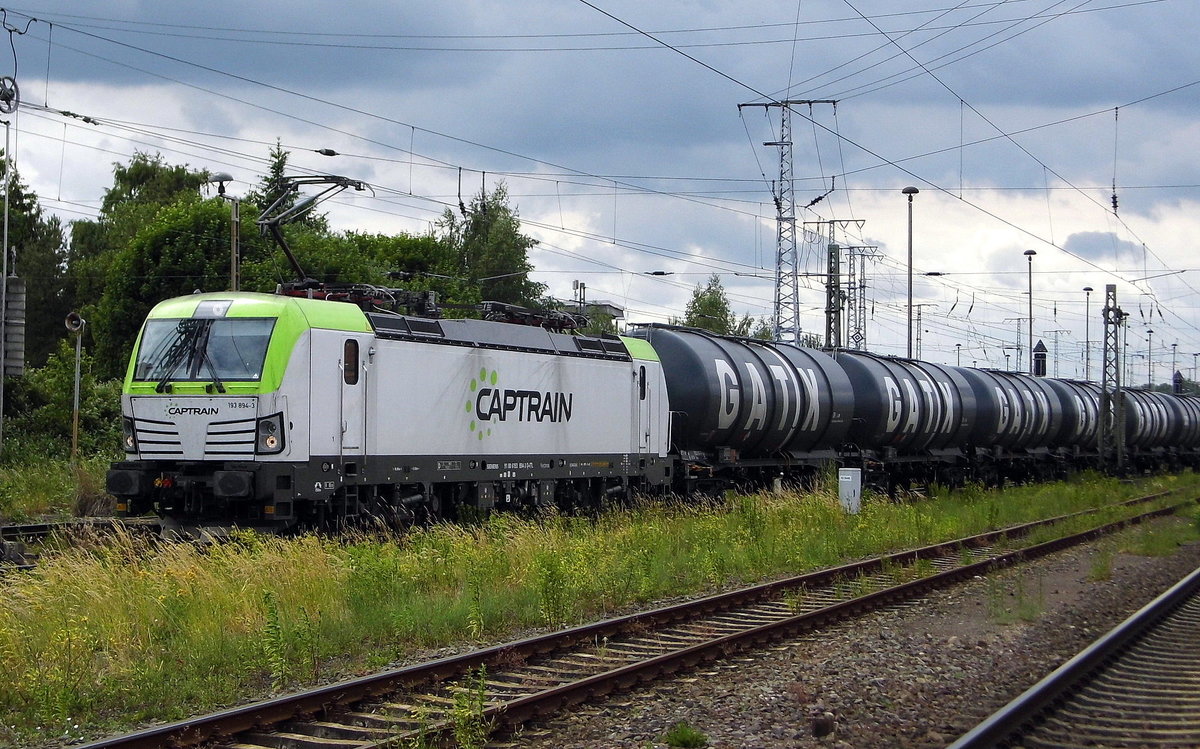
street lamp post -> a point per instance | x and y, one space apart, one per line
235 226
1194 355
910 191
1087 334
1174 350
1029 254
958 354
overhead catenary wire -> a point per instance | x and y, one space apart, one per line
998 129
665 193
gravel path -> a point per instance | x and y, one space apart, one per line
918 675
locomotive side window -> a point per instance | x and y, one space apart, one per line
642 383
350 362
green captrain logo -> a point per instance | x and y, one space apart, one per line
490 404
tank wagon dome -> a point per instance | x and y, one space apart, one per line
267 324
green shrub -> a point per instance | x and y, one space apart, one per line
39 411
683 735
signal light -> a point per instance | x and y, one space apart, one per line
270 435
129 432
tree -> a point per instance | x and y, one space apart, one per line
599 323
39 255
271 187
751 327
811 340
41 407
267 191
140 189
419 263
490 251
183 249
709 309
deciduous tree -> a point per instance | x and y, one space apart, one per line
38 258
489 249
709 308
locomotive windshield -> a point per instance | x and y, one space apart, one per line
209 350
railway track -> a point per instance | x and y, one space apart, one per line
14 554
1134 687
14 539
504 686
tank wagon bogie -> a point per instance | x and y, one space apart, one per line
279 411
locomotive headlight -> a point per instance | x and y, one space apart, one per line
129 435
270 435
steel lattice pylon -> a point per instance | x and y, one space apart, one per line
787 261
854 334
1112 399
833 298
787 282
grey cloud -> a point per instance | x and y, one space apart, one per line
1103 247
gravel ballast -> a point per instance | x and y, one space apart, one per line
917 675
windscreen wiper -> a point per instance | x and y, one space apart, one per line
202 350
181 349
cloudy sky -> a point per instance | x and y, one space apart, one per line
617 129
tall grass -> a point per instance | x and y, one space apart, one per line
108 634
52 488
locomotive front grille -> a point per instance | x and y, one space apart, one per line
222 440
226 438
157 438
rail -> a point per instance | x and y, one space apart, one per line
1075 702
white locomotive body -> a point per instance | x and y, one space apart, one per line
274 410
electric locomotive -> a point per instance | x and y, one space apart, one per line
271 410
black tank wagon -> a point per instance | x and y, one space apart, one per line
744 410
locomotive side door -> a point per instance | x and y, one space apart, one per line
353 398
643 392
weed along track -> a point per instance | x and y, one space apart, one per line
498 688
